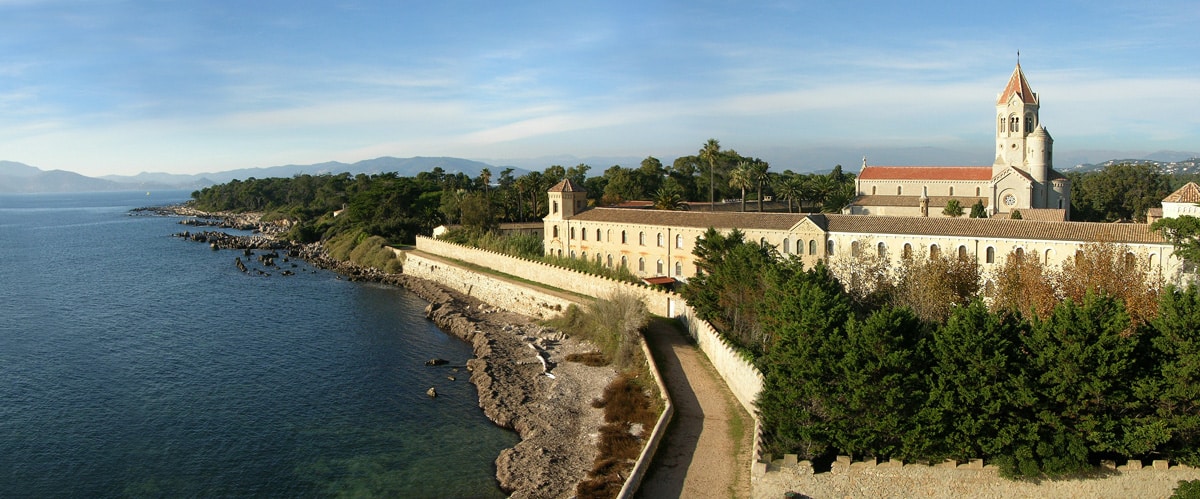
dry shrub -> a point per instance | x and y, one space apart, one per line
1024 284
625 403
1113 270
931 287
590 359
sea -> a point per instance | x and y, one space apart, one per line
138 364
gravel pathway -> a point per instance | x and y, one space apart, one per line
700 456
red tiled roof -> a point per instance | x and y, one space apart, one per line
1038 214
566 186
979 173
1189 193
660 281
1018 85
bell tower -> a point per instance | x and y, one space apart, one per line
1016 120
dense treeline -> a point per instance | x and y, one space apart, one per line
1121 192
1038 387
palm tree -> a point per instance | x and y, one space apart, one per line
822 187
740 177
791 187
669 197
709 153
758 176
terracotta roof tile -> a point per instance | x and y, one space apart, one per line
694 219
1189 193
1038 214
979 173
566 186
1017 84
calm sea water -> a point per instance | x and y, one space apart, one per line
135 364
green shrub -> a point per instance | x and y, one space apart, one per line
1187 489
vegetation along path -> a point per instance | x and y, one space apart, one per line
706 452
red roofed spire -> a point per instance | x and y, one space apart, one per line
1018 85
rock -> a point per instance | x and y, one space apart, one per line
451 378
436 362
431 392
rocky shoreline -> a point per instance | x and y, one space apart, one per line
519 368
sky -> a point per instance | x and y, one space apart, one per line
121 87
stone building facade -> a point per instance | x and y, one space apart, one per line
656 243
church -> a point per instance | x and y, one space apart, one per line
897 216
1022 178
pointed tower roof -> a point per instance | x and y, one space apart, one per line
566 186
1189 193
1017 84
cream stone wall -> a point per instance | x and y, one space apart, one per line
1050 253
514 298
951 188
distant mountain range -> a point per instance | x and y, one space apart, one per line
22 178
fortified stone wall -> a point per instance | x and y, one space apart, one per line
514 298
742 378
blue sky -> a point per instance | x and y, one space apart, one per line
109 86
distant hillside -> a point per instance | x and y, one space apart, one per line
18 177
1189 165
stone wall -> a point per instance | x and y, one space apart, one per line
953 480
508 296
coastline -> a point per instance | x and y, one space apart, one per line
553 416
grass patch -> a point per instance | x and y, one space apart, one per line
366 250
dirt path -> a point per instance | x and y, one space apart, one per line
706 452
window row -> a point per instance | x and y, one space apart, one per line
583 235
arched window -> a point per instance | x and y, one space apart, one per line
641 264
554 207
786 246
872 190
623 241
907 252
642 238
952 190
991 255
660 240
624 262
855 250
597 234
934 251
599 259
762 241
976 192
572 233
658 269
1130 259
1078 257
899 190
583 233
584 255
1000 124
962 252
829 247
812 246
1020 253
1049 253
679 241
881 249
1152 260
610 261
572 253
608 235
554 230
678 269
1028 122
1014 124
